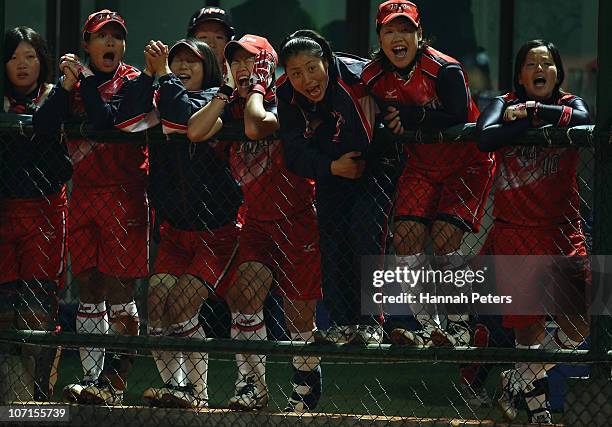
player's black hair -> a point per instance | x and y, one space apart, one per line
521 57
212 71
307 41
13 37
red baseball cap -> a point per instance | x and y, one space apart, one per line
97 20
392 9
252 44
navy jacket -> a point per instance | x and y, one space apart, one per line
190 184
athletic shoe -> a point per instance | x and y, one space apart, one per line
419 338
182 397
543 417
335 334
475 397
153 396
102 392
249 396
536 393
366 334
72 392
510 394
307 386
455 335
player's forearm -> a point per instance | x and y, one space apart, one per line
258 123
203 124
99 113
575 114
49 117
493 133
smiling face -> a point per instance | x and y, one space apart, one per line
188 68
23 69
308 75
539 74
106 47
214 34
399 39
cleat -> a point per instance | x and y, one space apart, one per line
153 396
335 334
475 398
367 334
249 396
182 397
536 393
102 392
404 337
455 335
72 392
307 388
510 394
543 417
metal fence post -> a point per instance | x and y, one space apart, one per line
602 231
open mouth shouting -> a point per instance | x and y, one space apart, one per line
108 60
400 52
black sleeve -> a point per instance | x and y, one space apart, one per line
137 99
493 133
174 104
553 113
48 119
452 91
302 157
100 114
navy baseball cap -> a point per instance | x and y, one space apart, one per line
211 14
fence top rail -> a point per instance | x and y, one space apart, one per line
547 136
383 352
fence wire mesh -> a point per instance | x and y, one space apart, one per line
155 315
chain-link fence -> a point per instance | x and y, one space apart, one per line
178 305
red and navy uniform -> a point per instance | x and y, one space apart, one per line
32 199
280 225
195 198
352 214
108 226
448 181
537 202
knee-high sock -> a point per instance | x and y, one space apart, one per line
123 321
195 363
304 363
419 262
92 319
532 378
453 261
253 328
161 358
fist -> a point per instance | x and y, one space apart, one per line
514 112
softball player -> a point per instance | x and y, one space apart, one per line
108 215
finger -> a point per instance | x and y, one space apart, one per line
391 108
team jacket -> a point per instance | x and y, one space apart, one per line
439 85
347 114
270 191
191 185
31 167
534 186
96 98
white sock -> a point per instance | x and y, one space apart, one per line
92 319
176 361
253 328
196 363
529 372
304 363
454 261
417 262
162 358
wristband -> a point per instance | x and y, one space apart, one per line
221 98
259 89
226 90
